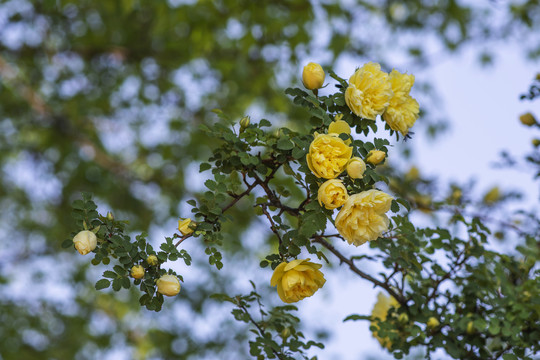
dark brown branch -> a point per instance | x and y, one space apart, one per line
273 226
350 263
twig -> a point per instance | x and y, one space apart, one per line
343 259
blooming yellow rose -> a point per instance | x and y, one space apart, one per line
297 279
375 157
313 76
356 168
332 193
183 226
85 242
403 109
380 311
527 119
369 91
137 272
168 285
152 260
363 218
328 156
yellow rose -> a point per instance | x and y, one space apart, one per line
375 157
369 91
356 168
332 194
297 279
137 272
380 311
152 260
527 119
168 285
403 109
432 323
183 226
363 218
328 156
85 242
313 76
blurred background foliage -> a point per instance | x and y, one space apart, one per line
107 97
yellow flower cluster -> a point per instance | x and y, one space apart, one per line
362 217
297 279
373 92
380 311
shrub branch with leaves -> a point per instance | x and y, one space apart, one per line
442 288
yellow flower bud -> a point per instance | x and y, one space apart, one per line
244 123
340 127
403 318
413 173
356 168
332 193
85 242
470 328
492 195
313 76
536 142
527 119
137 272
152 260
183 226
110 216
375 157
457 194
432 323
285 333
168 285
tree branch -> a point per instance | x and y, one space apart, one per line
402 301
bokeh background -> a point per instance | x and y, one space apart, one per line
107 97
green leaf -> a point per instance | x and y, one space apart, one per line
102 284
265 123
110 274
67 243
285 144
78 204
204 167
509 357
116 284
355 317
